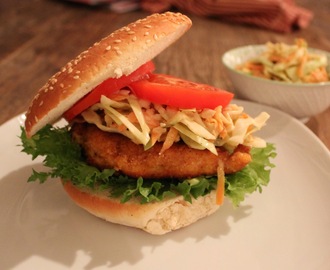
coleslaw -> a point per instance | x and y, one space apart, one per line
147 123
290 63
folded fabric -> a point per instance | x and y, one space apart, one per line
277 15
119 6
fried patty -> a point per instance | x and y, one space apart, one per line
112 150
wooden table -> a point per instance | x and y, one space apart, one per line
37 37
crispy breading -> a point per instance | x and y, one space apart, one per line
112 150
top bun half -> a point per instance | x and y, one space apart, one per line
120 53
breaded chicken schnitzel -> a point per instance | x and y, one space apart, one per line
112 150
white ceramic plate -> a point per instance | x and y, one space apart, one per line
285 227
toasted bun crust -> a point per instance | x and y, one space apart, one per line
155 218
121 53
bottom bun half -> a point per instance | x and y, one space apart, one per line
155 218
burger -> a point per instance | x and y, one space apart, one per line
143 149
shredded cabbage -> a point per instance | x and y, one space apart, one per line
147 123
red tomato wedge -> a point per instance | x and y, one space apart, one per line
107 88
176 92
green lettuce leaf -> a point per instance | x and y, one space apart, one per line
64 159
62 156
253 177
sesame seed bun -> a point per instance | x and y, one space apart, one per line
155 218
121 53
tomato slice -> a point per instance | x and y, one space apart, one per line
176 92
107 88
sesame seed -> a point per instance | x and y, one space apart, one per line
108 48
62 85
131 32
118 50
148 26
117 41
41 103
146 33
76 77
134 39
118 72
155 36
53 80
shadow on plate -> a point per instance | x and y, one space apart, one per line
40 221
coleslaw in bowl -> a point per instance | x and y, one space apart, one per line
299 99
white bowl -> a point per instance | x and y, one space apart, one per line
301 100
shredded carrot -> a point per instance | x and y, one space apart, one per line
220 192
319 75
254 66
121 127
171 137
156 133
132 118
152 119
301 65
